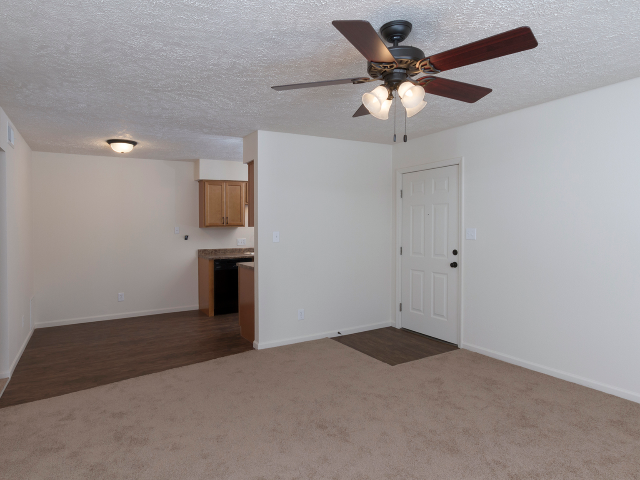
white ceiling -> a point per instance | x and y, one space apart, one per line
189 78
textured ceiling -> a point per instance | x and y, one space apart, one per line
189 78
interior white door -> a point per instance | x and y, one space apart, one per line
429 238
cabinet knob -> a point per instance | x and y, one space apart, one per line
454 264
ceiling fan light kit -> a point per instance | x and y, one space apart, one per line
410 95
377 102
417 109
396 65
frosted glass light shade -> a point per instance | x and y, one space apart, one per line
411 95
376 102
383 114
404 86
122 146
371 102
412 111
380 92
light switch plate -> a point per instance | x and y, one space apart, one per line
11 135
301 314
176 230
471 234
121 297
276 237
241 241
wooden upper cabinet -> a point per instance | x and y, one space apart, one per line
221 203
212 203
234 203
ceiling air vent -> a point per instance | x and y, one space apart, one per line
10 135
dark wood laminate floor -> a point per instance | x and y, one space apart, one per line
70 358
395 346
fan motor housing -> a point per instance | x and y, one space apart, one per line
406 57
405 52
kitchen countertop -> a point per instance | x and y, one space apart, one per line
222 253
248 265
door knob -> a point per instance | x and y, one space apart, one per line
455 252
454 265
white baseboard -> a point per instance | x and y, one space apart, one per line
586 382
318 336
7 374
98 318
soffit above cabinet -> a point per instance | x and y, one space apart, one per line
221 170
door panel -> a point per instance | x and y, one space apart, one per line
429 235
214 203
439 230
417 291
439 295
417 230
234 203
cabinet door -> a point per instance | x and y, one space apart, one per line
213 203
234 204
250 196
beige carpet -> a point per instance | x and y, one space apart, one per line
322 410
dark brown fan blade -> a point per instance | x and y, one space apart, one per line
465 92
326 83
506 43
362 111
362 35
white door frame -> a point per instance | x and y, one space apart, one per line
417 168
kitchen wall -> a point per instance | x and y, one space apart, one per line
104 225
16 252
552 281
330 201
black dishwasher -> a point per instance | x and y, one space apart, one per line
225 285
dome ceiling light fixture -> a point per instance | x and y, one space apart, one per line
396 65
121 146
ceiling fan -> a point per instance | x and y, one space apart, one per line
395 66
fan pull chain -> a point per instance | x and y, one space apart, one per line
395 109
405 125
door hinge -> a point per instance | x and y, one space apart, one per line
400 307
400 250
400 193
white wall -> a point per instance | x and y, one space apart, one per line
331 202
552 282
105 225
16 272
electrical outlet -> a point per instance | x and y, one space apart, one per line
241 241
301 314
121 297
176 230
